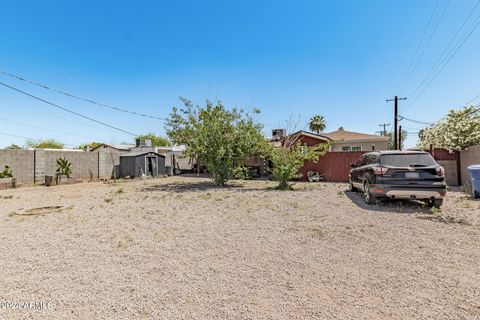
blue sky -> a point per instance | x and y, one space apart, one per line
340 59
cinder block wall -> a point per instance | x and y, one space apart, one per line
27 164
21 162
468 158
84 163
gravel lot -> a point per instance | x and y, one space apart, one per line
180 248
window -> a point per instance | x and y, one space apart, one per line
373 147
356 148
346 148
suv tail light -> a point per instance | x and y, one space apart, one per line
380 170
440 171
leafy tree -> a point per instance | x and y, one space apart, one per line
6 173
157 141
391 142
44 144
289 158
457 131
64 167
341 129
92 144
13 147
219 138
317 123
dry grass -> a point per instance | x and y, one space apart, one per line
181 248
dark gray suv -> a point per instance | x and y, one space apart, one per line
399 175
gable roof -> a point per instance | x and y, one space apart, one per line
312 135
347 136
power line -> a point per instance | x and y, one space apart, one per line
66 109
78 97
401 84
429 40
26 138
446 61
61 118
415 121
45 129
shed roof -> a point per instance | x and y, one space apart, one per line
140 153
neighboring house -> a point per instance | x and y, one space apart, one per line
341 140
355 141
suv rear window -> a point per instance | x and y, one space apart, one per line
407 160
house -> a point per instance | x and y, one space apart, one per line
340 140
354 141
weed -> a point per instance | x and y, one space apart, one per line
12 213
108 200
119 191
317 232
435 210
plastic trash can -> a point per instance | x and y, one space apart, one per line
475 175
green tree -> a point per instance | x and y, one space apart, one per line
13 146
157 141
391 142
317 123
44 144
219 138
289 158
92 144
457 131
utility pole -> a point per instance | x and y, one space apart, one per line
395 121
384 125
400 138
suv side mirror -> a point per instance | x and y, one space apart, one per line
353 165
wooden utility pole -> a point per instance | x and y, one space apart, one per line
384 125
395 121
400 138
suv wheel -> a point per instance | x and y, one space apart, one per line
437 203
367 194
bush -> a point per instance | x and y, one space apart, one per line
6 173
242 173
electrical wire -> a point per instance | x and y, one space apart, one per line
400 85
415 121
78 97
446 59
66 109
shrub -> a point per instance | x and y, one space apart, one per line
6 173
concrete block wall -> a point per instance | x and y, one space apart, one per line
32 165
467 158
84 163
21 162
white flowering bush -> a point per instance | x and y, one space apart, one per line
459 130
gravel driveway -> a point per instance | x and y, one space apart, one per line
180 248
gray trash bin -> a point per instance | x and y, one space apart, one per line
475 175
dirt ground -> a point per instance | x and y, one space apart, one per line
180 248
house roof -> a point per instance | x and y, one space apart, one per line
312 134
347 136
140 153
124 147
